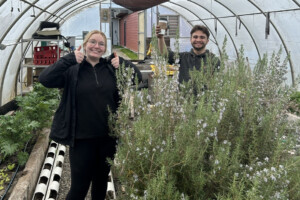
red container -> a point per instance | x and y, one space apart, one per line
45 55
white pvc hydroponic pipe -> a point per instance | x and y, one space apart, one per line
111 193
41 188
52 191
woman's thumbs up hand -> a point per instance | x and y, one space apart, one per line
79 55
115 61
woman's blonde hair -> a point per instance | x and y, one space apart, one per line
87 37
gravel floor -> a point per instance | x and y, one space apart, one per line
65 181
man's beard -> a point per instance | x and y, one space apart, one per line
199 48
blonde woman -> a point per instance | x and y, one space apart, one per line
81 120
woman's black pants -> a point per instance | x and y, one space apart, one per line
88 162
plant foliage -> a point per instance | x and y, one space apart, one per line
294 106
36 108
221 136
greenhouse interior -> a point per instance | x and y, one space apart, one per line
202 99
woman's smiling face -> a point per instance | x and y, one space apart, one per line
95 47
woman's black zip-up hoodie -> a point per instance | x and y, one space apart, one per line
64 74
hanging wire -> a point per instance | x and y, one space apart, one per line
236 22
267 30
12 8
33 13
216 23
19 6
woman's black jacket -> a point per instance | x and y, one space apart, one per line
64 74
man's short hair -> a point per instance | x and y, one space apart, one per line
200 28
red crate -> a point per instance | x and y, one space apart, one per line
45 55
47 61
45 48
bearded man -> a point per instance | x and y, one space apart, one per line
199 57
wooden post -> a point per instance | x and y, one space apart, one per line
29 76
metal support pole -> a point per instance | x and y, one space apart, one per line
157 15
110 26
100 16
21 68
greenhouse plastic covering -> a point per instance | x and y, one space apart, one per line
260 26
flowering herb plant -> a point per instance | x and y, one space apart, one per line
220 136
